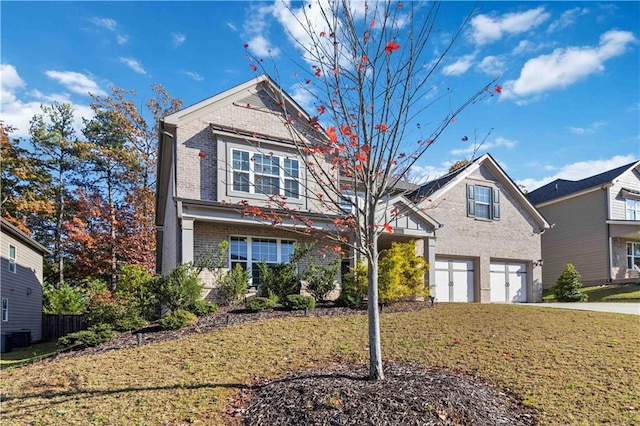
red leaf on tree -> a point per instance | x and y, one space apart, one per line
399 6
307 81
253 67
498 88
391 46
323 34
345 129
373 23
382 127
336 71
361 157
365 58
388 228
318 72
453 119
366 35
314 122
331 132
246 45
202 155
321 109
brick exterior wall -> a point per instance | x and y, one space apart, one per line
515 237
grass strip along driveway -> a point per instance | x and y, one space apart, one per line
574 367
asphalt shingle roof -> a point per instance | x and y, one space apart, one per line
562 187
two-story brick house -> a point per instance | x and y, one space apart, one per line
596 226
225 152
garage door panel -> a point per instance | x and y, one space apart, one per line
508 282
454 280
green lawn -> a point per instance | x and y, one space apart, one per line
575 367
19 356
604 293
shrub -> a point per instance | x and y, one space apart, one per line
177 319
179 289
354 286
296 302
567 288
259 304
401 273
120 314
233 286
135 284
202 308
278 280
94 336
64 300
321 279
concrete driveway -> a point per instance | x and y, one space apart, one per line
618 308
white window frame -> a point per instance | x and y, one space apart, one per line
13 260
249 262
632 208
5 309
632 257
284 173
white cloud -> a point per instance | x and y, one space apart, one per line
563 67
589 130
193 75
133 64
492 65
487 29
76 82
261 47
232 27
567 19
580 170
423 174
18 112
122 39
499 142
178 39
107 23
256 28
460 66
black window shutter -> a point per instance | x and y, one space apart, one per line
496 204
471 201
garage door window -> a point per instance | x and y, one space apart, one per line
483 202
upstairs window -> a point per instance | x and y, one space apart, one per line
5 310
13 254
633 209
258 173
483 202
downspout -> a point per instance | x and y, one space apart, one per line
607 189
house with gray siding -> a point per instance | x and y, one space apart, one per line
595 226
218 158
21 279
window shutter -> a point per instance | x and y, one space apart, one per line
496 204
471 201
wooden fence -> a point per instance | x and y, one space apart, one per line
56 326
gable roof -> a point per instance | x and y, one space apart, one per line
9 229
436 188
562 187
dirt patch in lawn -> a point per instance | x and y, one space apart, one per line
409 395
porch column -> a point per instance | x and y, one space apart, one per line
187 239
426 248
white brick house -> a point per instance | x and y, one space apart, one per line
208 164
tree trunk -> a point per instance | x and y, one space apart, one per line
375 347
112 231
58 233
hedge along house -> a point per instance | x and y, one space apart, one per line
21 280
596 226
218 158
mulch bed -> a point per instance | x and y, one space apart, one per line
410 394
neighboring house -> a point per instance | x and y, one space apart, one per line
595 226
21 281
231 148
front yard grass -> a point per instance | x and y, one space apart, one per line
575 367
603 293
19 356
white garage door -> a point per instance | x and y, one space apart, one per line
454 280
508 282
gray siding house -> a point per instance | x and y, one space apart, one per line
596 226
21 281
475 228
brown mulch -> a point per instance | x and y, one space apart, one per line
410 394
338 395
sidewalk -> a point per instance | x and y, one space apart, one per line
618 308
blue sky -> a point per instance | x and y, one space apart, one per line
570 71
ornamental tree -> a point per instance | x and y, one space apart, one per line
369 68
